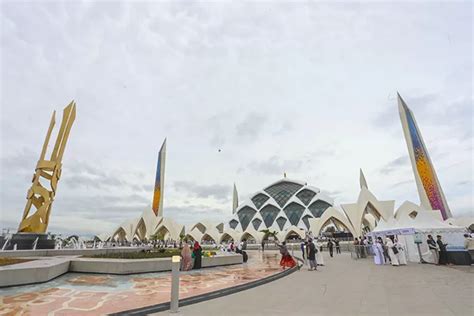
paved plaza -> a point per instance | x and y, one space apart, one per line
349 287
100 294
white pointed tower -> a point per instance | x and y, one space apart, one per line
235 200
362 181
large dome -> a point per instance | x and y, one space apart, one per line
283 204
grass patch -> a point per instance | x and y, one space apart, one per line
4 261
162 253
157 253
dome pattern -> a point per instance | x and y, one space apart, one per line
279 206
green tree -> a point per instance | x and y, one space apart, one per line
269 233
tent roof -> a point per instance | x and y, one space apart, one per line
424 222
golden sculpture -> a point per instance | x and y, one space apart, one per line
39 196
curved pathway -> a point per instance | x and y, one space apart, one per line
93 294
353 287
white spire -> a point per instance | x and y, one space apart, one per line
235 200
362 181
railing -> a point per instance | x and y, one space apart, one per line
361 251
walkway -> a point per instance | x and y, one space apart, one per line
95 294
348 287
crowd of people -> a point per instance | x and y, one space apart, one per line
385 251
389 251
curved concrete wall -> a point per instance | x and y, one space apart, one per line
43 270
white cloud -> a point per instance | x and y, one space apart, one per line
301 82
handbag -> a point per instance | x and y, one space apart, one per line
395 250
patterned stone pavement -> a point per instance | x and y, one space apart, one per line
92 294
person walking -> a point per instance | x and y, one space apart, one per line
378 252
263 245
302 246
443 254
330 247
287 260
392 251
311 250
401 255
356 247
385 251
338 247
187 261
197 253
319 254
433 249
363 247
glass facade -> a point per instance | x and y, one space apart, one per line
294 212
233 224
259 200
318 207
306 220
284 212
269 213
256 223
245 215
281 222
283 191
305 196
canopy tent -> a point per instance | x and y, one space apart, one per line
424 224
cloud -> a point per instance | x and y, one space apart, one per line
434 109
190 188
251 126
22 161
402 183
395 165
286 91
272 166
190 214
286 126
333 193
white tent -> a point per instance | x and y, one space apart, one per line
424 224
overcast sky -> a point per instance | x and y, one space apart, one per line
303 88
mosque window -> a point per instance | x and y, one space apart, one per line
318 207
281 222
306 220
269 213
259 200
256 223
233 224
245 215
305 196
294 212
283 191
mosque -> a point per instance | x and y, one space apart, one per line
292 209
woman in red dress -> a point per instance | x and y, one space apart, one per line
287 260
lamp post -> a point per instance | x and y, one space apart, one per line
174 303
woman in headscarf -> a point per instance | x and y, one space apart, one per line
197 253
287 260
187 261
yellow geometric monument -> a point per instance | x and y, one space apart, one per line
50 171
